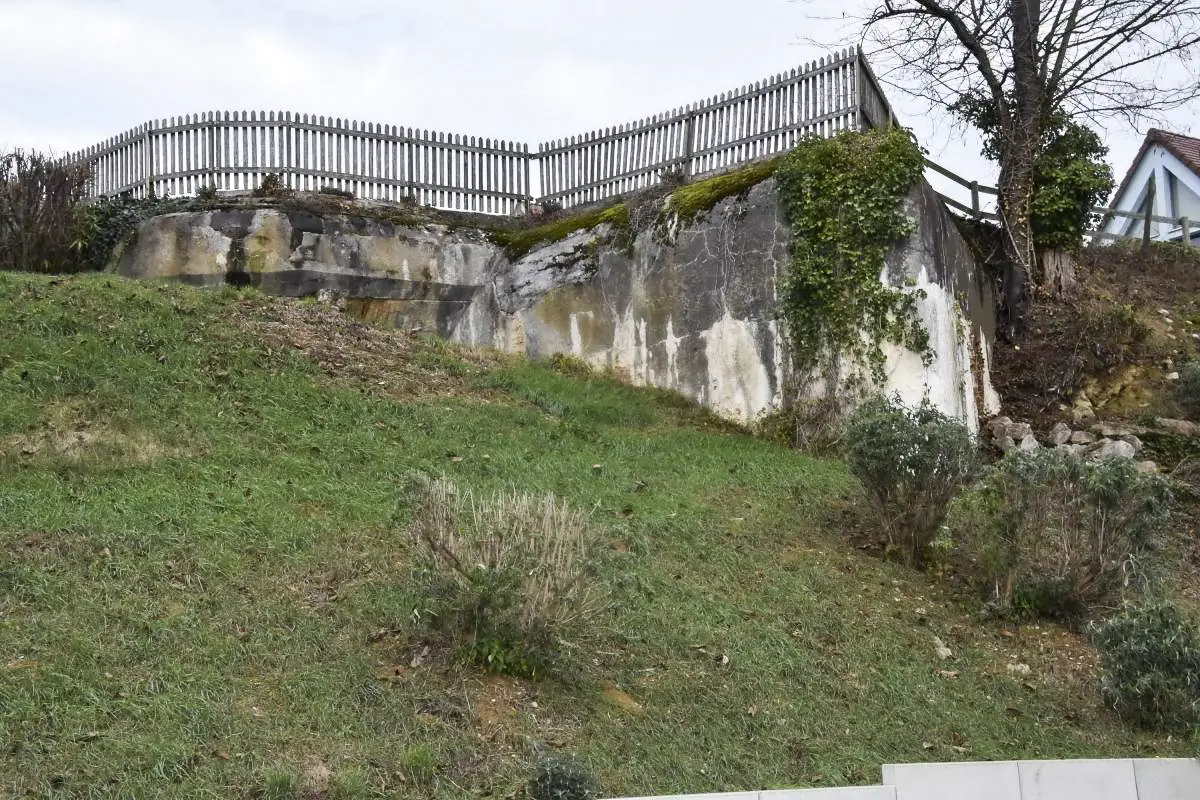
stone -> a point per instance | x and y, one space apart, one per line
1111 448
1172 376
996 427
1115 430
1082 437
1028 444
1177 427
1020 670
1133 440
1074 449
1082 409
1018 431
1005 444
1146 467
1060 433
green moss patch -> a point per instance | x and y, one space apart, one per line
518 243
697 198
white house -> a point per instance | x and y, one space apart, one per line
1166 168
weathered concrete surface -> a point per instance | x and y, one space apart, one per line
689 309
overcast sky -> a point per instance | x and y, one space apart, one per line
73 72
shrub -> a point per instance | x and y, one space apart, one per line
272 185
558 778
39 198
1150 661
509 575
333 191
207 193
1049 534
1188 390
911 461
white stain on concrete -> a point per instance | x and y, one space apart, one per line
739 385
947 381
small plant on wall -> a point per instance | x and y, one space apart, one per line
843 198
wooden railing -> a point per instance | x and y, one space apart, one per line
975 210
234 151
761 119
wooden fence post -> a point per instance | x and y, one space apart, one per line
1149 214
975 209
1185 228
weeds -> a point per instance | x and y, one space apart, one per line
511 574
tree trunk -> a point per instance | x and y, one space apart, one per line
1020 144
1058 273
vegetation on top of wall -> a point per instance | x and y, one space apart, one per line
696 198
517 244
843 198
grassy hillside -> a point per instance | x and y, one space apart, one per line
203 592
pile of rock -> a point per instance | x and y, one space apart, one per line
1099 441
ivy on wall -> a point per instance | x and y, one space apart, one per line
843 198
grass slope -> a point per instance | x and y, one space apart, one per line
203 593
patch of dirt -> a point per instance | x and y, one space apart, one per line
1134 320
67 435
382 360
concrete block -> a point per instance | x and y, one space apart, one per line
1167 778
1080 779
978 780
842 793
711 796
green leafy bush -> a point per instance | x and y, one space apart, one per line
1070 172
1150 661
558 778
509 575
106 223
1188 390
911 461
843 199
1049 534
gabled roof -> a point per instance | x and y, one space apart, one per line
1185 148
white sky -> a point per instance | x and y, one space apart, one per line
73 72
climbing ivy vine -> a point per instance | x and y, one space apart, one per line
843 198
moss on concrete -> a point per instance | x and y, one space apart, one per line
518 243
694 199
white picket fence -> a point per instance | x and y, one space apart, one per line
731 128
233 151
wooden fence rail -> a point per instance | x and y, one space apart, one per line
975 209
234 151
761 119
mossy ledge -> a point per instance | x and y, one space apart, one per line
694 199
517 244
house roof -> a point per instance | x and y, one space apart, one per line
1185 148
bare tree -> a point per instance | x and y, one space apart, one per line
1028 59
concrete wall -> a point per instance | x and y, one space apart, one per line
687 308
1098 779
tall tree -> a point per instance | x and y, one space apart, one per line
1030 60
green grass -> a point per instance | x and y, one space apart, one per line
203 592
